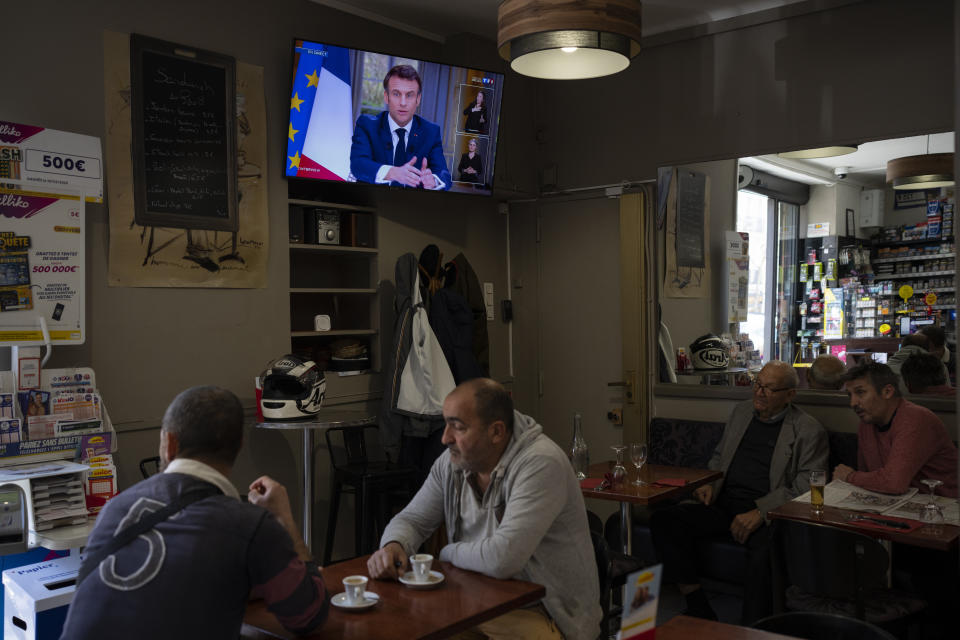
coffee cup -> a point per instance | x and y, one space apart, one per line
353 587
421 563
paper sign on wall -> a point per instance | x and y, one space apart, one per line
46 176
738 275
41 267
45 159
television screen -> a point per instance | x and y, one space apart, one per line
360 116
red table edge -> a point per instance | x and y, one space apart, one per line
668 492
912 538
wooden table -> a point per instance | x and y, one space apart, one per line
942 537
650 493
688 628
464 600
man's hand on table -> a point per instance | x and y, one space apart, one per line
842 472
704 493
744 524
390 562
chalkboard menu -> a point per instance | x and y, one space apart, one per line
691 199
183 112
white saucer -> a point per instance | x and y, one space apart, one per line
435 579
369 599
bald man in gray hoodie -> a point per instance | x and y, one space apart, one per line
513 509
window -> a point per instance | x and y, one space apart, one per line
753 217
375 66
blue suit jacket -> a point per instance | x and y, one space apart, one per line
373 147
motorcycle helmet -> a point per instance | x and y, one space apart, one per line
708 352
292 389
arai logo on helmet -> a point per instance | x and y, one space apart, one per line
285 364
713 357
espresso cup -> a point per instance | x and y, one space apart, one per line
354 586
421 566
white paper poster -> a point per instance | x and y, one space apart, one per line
50 161
41 267
738 275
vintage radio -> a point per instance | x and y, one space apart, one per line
328 226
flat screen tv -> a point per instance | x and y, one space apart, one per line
347 104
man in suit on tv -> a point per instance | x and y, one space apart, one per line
399 147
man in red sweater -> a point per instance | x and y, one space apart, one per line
899 443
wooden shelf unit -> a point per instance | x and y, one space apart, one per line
338 280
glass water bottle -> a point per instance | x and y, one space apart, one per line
579 455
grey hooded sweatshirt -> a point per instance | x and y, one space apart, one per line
535 526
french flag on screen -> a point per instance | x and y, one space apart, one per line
321 113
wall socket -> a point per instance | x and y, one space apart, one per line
615 416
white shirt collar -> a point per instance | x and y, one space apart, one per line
394 126
204 472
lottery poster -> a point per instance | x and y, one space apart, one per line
46 177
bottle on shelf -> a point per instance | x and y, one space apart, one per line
579 454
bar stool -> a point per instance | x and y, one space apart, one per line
368 474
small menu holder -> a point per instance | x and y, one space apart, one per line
640 601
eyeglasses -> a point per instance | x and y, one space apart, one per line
762 388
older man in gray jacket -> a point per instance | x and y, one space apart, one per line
766 454
512 508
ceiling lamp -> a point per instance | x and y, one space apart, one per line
820 152
565 40
929 171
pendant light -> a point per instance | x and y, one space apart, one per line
564 40
820 152
927 171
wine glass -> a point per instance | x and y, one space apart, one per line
638 454
619 472
931 511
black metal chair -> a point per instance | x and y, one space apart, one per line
821 626
362 468
601 554
149 466
619 566
836 571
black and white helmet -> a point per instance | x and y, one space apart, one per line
292 389
708 352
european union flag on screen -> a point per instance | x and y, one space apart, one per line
321 113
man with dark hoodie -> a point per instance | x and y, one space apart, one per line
512 508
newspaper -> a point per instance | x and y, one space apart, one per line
905 505
912 508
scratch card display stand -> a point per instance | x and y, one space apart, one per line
57 447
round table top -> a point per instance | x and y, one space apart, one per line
324 420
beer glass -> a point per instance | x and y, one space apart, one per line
817 481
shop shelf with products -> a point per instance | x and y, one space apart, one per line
925 265
333 274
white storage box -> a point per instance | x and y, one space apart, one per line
36 598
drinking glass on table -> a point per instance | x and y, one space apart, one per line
638 454
817 481
932 512
619 472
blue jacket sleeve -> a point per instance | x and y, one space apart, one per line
362 164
